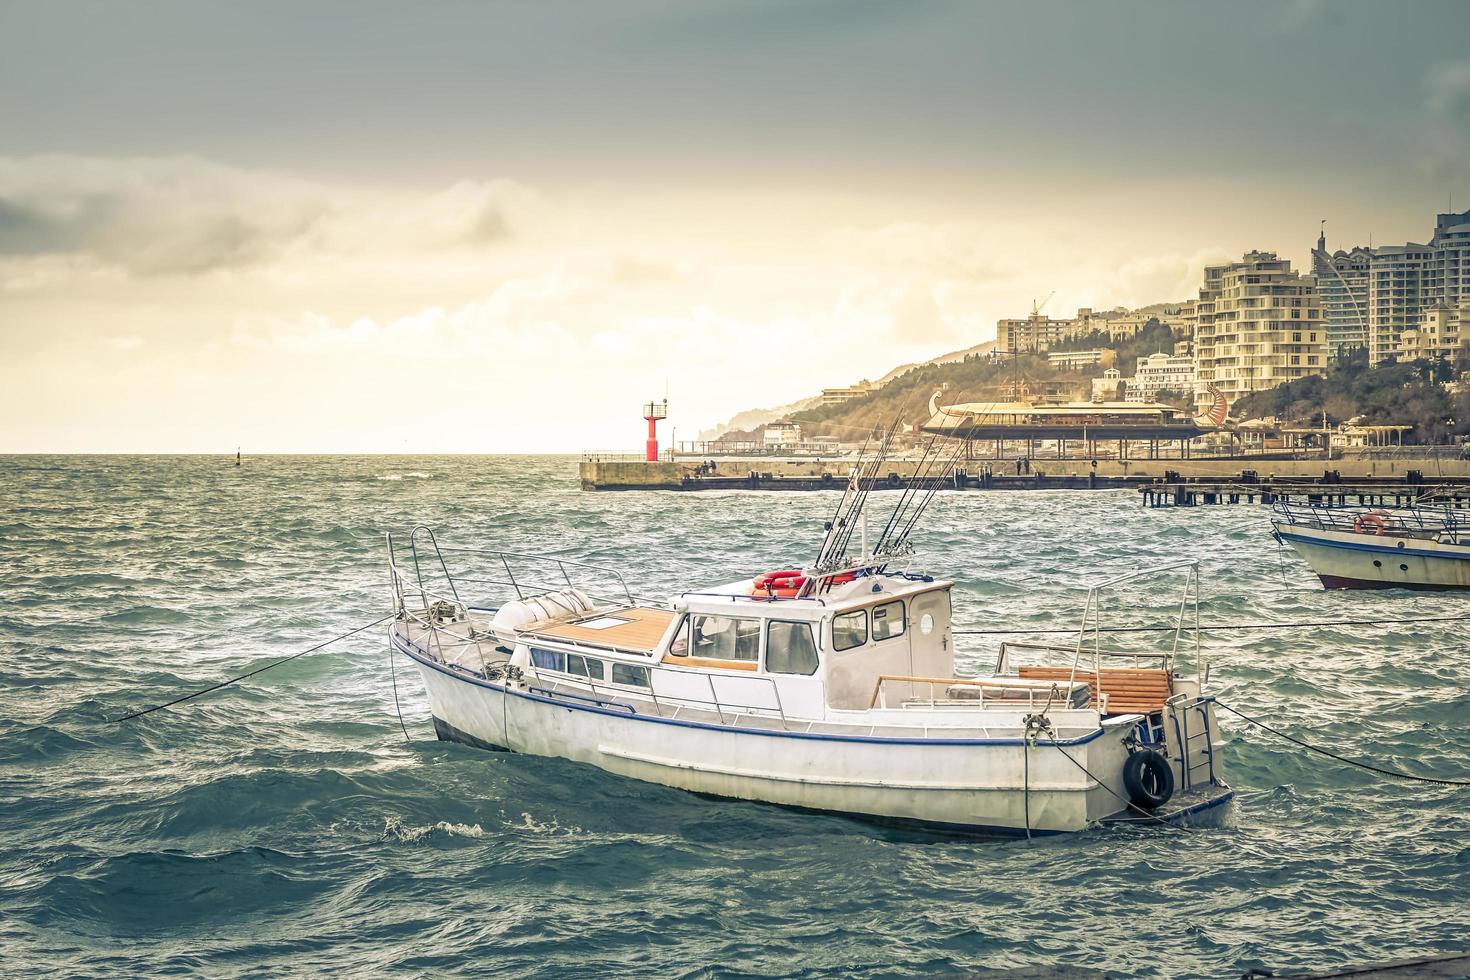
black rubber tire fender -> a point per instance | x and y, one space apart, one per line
894 479
1149 779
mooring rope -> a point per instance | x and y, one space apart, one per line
1147 817
1040 724
1209 628
252 673
1395 773
393 672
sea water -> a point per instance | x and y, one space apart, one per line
284 825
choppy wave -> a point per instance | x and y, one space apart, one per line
284 826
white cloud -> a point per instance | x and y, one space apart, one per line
184 216
484 316
152 216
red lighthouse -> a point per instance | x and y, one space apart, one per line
653 412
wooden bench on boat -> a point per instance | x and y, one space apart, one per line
1130 690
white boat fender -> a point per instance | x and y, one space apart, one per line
522 657
1148 778
520 613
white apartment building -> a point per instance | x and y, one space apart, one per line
1036 332
1161 372
1450 278
1443 330
1108 388
1371 296
1074 360
1342 288
1398 292
1259 326
782 435
837 396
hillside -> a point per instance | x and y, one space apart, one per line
1390 394
754 418
974 377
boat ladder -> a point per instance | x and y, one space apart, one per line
1192 726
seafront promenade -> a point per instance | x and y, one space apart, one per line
1404 471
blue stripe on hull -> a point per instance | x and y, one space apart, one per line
1384 549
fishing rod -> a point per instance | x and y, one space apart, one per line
860 500
933 488
888 443
849 487
910 492
852 507
926 477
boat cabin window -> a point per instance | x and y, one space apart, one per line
789 649
888 620
549 659
718 638
585 666
630 674
850 629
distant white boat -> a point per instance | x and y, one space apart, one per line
830 689
1369 548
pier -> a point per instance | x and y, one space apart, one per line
1330 489
1367 481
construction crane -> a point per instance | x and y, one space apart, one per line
1036 307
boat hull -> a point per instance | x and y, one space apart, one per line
1352 560
996 785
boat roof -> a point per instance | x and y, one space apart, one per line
735 598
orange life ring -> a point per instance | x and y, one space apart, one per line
1373 519
781 579
787 583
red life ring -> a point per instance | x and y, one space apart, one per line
1373 519
782 579
787 583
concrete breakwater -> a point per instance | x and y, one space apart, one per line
771 473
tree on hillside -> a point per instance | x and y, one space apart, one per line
1393 393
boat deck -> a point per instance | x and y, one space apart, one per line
636 629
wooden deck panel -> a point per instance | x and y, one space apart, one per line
642 631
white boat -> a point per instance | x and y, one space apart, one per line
1374 548
830 689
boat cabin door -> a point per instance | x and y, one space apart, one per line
930 647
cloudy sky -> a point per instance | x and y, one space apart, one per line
468 226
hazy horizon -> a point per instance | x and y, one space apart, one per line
344 228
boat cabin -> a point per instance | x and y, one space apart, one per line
796 655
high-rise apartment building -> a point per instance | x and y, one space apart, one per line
1036 332
1342 287
1371 296
1259 326
1398 294
1450 282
